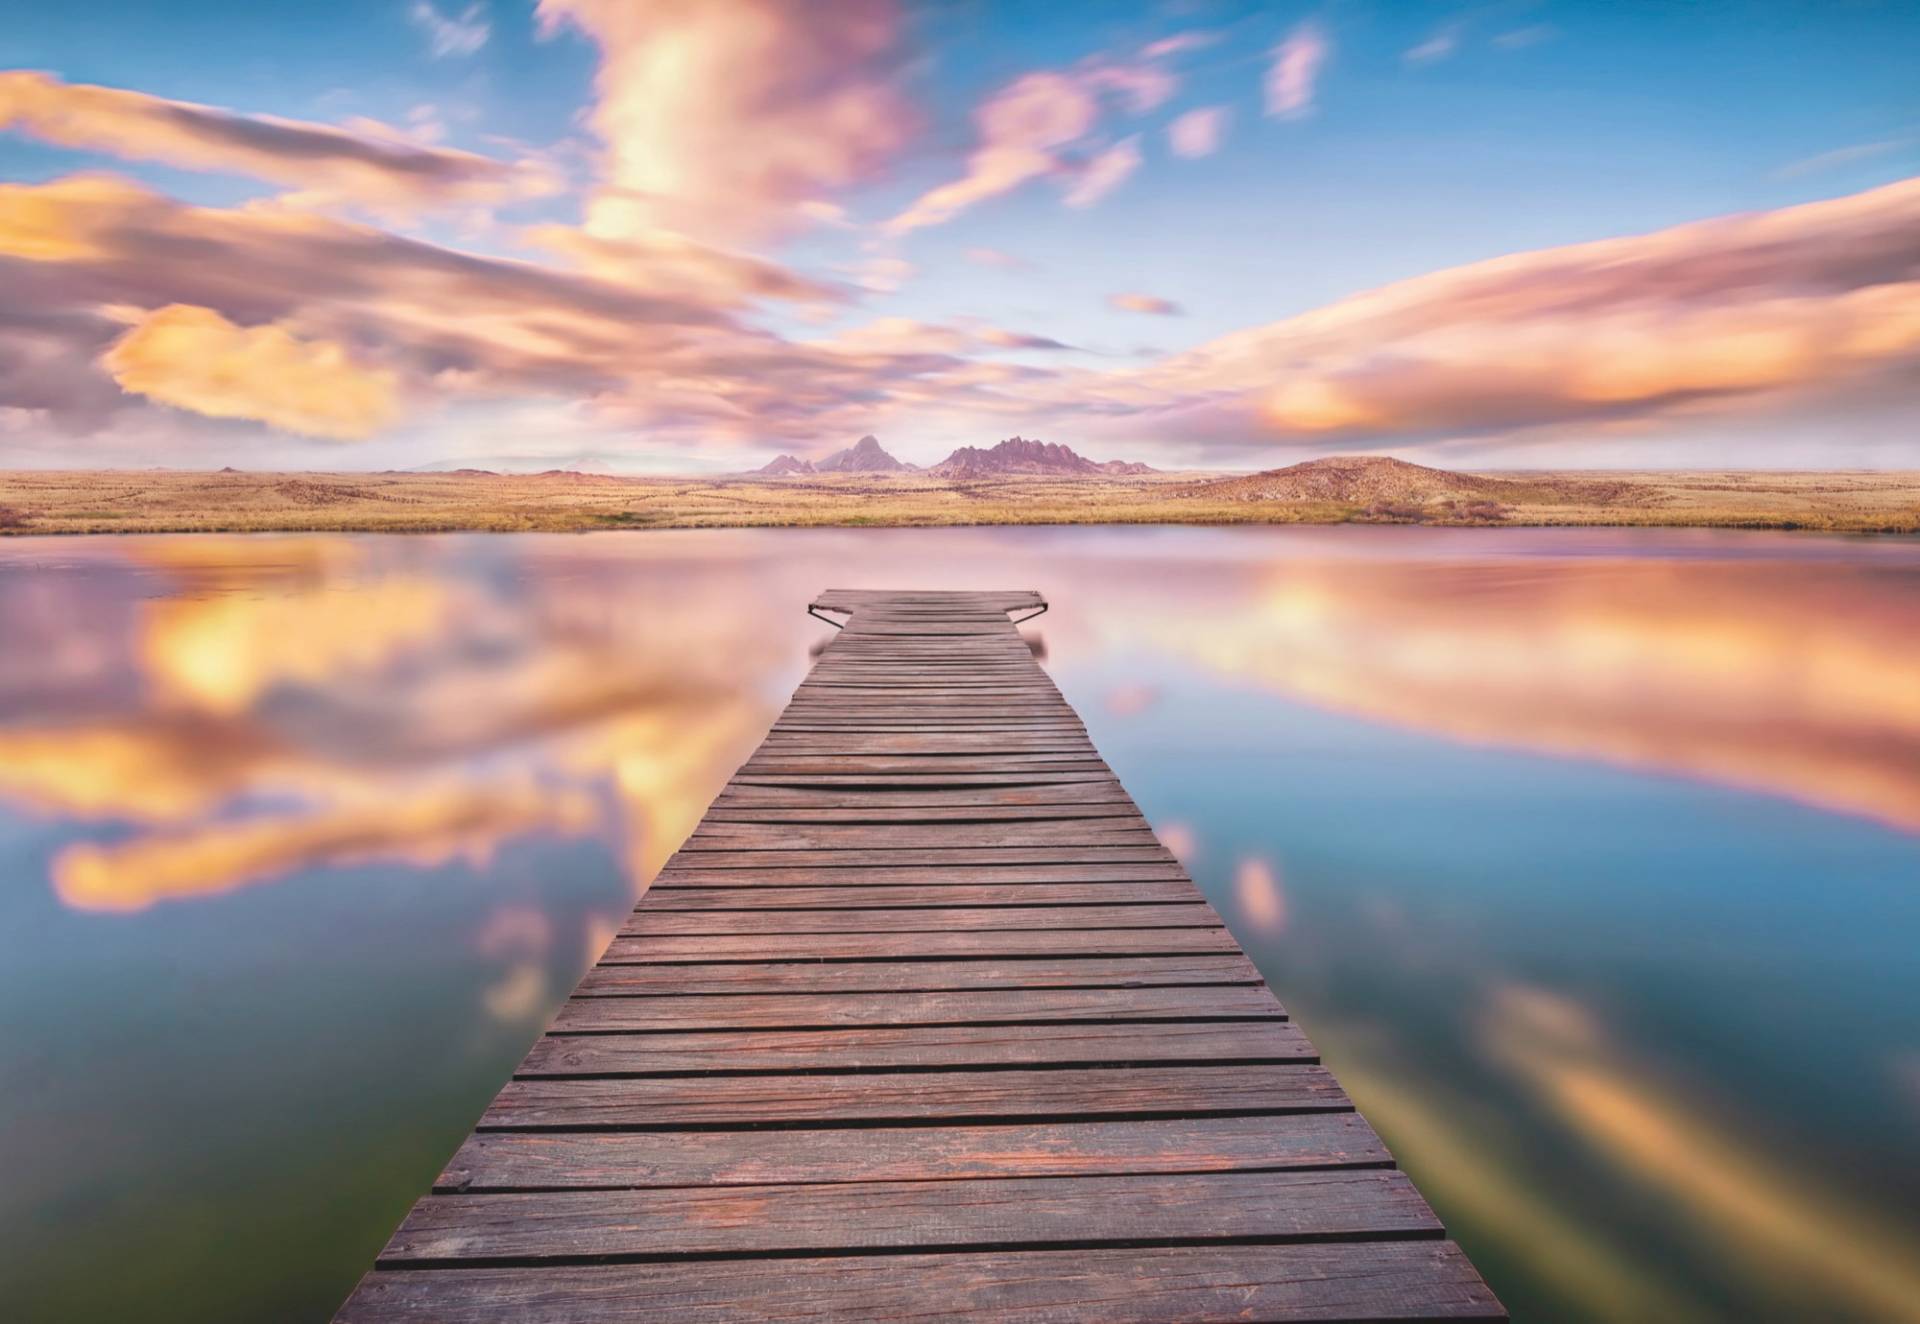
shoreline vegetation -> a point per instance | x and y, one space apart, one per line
1371 489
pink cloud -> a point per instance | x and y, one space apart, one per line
1023 132
1105 173
382 170
81 257
464 33
1150 304
1198 132
1735 312
1295 72
726 118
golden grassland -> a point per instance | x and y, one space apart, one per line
157 501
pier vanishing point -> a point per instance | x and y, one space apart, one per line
922 1023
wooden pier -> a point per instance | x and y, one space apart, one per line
922 1023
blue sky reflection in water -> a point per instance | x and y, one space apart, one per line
1590 859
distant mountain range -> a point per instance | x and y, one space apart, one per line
1017 456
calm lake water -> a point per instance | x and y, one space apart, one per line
1590 859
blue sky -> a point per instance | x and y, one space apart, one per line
740 188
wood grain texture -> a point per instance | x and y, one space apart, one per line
917 1047
922 1022
1363 1281
965 1213
537 1160
911 1097
608 980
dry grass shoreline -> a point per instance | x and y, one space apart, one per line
164 501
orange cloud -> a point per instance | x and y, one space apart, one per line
726 117
664 263
323 162
670 359
1730 311
193 358
426 829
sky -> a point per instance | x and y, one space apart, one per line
688 235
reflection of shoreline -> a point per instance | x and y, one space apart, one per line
1787 679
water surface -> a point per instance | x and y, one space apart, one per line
1590 859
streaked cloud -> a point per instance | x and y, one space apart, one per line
1151 304
727 118
1105 173
325 164
464 33
671 265
449 324
195 359
1843 156
993 257
1199 132
1293 76
1025 132
1439 45
1728 312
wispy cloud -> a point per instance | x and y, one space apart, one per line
1441 44
1150 304
1293 76
384 171
1105 173
1199 132
463 34
1840 156
1027 129
1518 39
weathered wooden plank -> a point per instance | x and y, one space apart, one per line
892 1048
932 856
927 814
769 897
923 946
1009 873
964 1213
980 1006
916 976
1193 913
1364 1281
789 837
751 796
536 1160
956 1095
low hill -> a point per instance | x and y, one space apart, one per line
1382 482
865 456
783 465
1020 455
